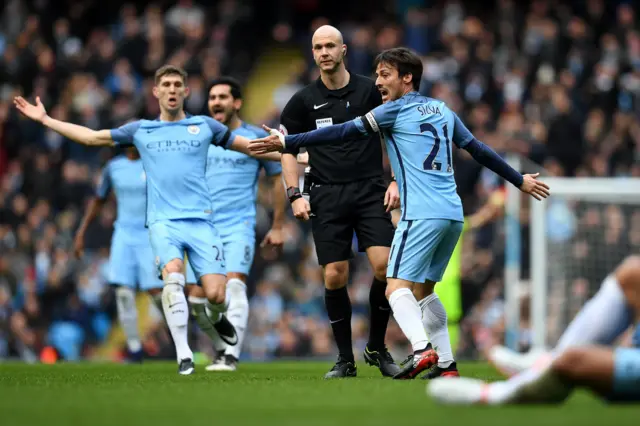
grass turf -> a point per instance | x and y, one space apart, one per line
258 394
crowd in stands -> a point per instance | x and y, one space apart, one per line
554 82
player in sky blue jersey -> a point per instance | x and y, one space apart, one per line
131 258
583 358
233 183
174 150
419 133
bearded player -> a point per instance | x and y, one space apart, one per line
232 178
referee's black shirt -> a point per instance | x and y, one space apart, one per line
316 106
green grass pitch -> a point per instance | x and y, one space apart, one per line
258 394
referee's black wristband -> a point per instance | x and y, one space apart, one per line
293 192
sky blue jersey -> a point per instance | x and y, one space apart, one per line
419 132
128 181
174 155
232 178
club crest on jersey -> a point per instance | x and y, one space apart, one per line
193 129
284 130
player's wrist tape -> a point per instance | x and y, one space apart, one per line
293 192
279 135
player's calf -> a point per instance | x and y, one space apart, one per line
176 311
215 288
338 305
589 366
198 304
434 319
376 353
238 315
409 317
128 317
156 298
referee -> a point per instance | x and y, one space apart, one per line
347 193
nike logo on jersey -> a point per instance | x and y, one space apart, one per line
320 106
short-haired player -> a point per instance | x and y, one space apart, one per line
173 149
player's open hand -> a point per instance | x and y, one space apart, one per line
272 143
301 209
35 112
392 197
532 186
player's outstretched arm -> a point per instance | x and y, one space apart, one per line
76 133
242 144
491 160
486 156
277 142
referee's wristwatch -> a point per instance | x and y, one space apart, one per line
293 192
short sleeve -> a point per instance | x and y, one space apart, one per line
292 119
271 168
123 135
221 133
461 135
382 117
104 184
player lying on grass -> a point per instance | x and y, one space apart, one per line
174 150
615 307
131 256
583 357
232 178
418 132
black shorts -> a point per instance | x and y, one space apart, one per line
339 210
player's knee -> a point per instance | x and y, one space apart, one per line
126 296
154 291
195 291
336 275
569 363
236 276
628 276
215 296
173 266
380 271
394 284
214 287
420 291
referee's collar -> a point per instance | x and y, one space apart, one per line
350 87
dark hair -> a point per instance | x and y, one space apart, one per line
170 70
234 84
405 61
